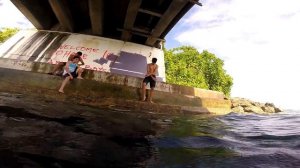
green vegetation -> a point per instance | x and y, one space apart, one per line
6 33
186 66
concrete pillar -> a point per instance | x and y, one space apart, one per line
96 9
63 14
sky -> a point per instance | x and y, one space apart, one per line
10 16
258 41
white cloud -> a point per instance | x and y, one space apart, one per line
10 16
259 41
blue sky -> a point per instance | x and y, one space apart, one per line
258 41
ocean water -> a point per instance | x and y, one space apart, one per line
233 141
35 132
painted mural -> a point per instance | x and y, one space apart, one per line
99 54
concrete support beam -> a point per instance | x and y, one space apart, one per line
28 14
150 12
96 9
175 7
195 2
141 34
145 31
63 14
132 12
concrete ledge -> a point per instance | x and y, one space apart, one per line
114 79
95 93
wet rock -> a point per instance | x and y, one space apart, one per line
240 102
278 110
270 104
238 109
167 120
68 135
268 109
253 109
257 104
241 105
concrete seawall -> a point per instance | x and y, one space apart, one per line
106 89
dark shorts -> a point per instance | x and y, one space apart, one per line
149 79
74 74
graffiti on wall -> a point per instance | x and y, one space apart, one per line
99 54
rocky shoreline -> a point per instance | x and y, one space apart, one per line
242 105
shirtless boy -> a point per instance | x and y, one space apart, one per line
150 77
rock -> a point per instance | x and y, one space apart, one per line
253 109
245 105
270 104
257 104
277 110
268 109
238 109
167 120
240 102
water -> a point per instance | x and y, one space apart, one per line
36 132
234 140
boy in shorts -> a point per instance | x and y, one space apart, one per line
150 77
71 71
60 65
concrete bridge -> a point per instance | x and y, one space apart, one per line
140 21
117 38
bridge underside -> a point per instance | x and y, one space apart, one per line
140 21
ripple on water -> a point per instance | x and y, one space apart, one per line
234 140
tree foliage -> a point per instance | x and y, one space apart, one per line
186 66
6 33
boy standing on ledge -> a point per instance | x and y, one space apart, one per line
150 77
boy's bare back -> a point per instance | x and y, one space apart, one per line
151 69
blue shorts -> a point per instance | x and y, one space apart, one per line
74 74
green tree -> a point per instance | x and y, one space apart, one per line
186 66
6 33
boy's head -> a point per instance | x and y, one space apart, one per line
154 60
79 53
76 59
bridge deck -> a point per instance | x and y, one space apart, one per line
140 21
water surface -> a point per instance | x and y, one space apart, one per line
38 132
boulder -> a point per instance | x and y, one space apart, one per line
277 110
253 109
244 105
268 109
238 109
235 102
257 104
270 104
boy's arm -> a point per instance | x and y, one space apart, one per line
70 58
80 60
148 70
155 70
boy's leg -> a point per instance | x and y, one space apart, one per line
79 72
151 94
143 91
152 86
66 80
